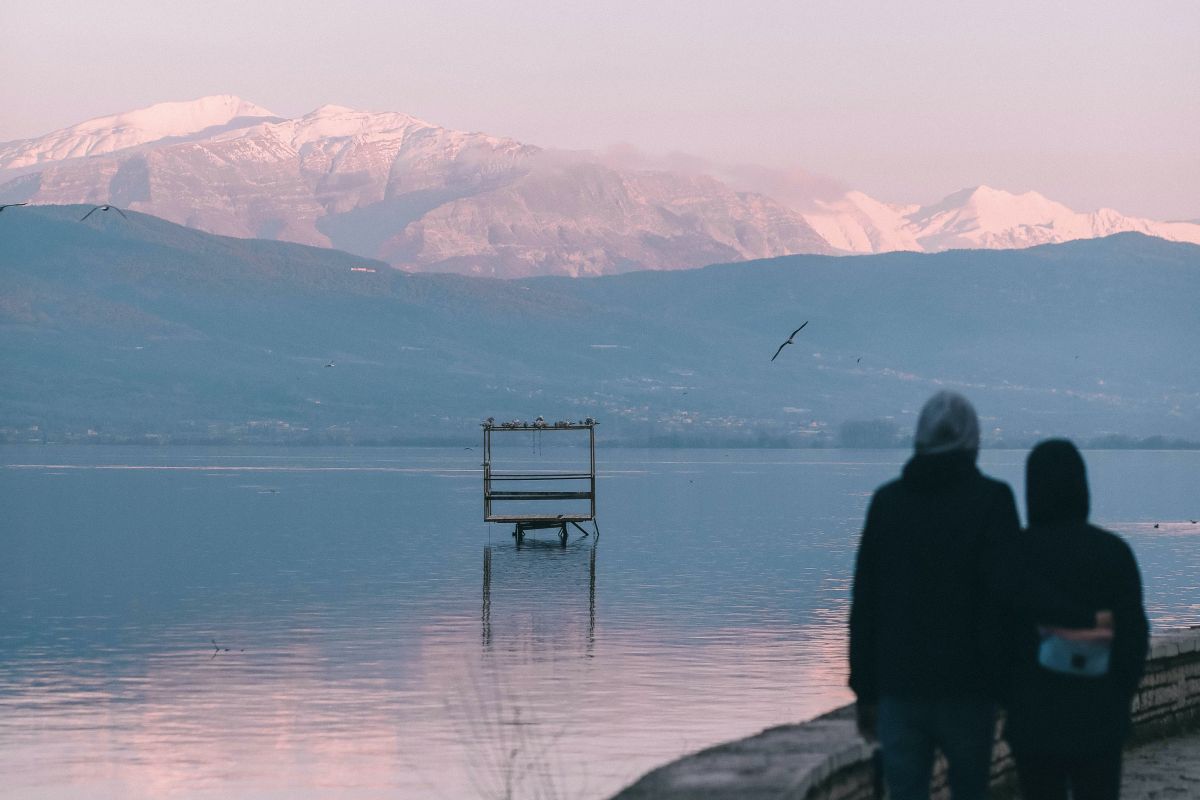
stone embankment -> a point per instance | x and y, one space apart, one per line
824 759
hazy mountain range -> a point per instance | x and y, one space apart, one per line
425 198
119 327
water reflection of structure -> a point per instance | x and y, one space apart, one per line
526 581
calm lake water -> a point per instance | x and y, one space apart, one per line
362 650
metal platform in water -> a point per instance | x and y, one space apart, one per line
525 486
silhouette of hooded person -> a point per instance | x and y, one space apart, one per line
919 664
1070 691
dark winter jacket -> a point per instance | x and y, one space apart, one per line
919 617
1049 712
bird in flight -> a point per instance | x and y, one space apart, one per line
858 360
331 364
789 341
102 208
12 205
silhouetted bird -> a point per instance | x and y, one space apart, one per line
1156 526
789 341
858 360
12 205
331 364
102 208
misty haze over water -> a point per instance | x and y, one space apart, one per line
246 623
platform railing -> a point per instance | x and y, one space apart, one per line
493 494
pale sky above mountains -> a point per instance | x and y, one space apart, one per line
1094 104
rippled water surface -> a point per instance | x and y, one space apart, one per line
278 623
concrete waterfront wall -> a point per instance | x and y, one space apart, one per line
824 759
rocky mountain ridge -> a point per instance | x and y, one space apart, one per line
425 198
422 197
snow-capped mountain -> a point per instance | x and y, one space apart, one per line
980 217
857 223
422 197
392 186
117 132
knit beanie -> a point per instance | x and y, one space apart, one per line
947 424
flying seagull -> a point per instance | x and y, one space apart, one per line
102 208
789 341
331 364
12 205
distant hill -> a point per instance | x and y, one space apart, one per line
132 326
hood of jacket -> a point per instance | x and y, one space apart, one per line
1056 487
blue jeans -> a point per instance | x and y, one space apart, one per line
962 728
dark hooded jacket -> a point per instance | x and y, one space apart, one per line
918 617
1049 712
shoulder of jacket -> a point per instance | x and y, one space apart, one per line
887 490
995 484
997 492
1111 540
890 486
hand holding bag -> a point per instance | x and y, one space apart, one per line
1083 654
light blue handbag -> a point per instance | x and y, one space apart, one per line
1071 657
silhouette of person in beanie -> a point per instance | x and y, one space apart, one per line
920 610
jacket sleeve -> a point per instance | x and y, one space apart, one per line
1131 629
863 610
